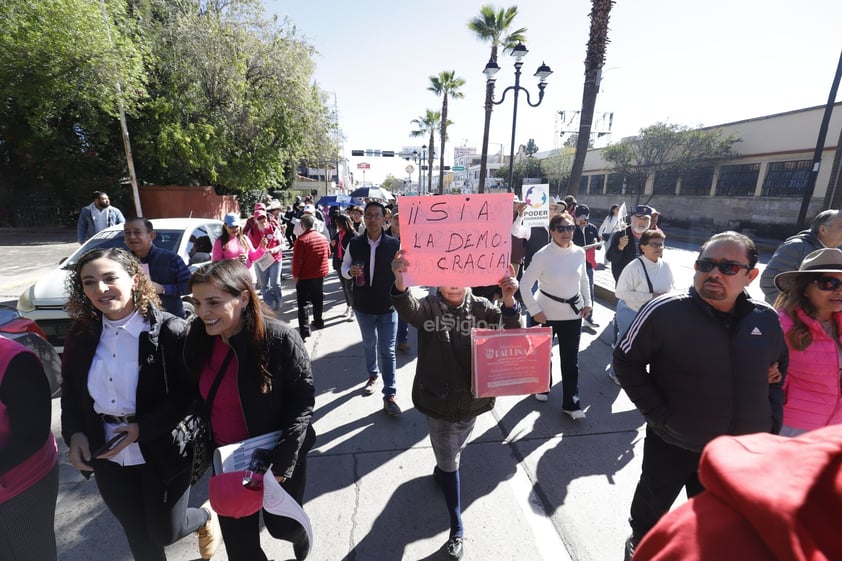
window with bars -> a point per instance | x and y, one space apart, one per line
614 185
665 182
737 180
787 179
596 185
697 181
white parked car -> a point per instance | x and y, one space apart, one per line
191 238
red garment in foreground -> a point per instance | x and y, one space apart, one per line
768 498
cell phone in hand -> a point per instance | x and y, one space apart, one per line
253 476
110 445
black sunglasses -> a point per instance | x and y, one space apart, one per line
570 228
828 284
726 267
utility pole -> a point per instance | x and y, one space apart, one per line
817 155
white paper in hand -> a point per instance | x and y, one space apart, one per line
277 501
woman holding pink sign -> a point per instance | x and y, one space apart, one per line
563 298
442 386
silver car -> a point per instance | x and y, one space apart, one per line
190 238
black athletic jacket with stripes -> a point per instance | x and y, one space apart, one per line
707 372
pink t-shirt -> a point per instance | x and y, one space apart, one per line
228 421
233 249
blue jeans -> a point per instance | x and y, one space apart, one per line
379 332
270 285
403 331
624 316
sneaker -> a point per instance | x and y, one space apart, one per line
369 386
404 346
542 397
589 322
454 547
209 535
349 314
390 407
575 414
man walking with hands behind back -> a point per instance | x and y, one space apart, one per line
713 356
309 269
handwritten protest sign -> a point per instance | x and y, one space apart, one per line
456 240
510 361
537 211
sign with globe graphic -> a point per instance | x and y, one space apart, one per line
537 210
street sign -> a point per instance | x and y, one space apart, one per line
363 165
458 168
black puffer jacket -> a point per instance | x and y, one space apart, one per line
288 406
164 391
442 385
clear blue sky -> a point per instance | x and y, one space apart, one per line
683 61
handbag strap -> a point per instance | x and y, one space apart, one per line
649 282
206 409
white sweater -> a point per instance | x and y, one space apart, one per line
632 287
560 272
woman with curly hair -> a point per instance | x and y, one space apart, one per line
124 391
263 382
810 310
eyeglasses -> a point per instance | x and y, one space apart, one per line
571 228
828 284
656 245
726 267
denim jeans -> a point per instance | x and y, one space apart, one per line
270 285
379 332
403 331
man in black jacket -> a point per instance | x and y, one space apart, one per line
368 260
698 365
587 236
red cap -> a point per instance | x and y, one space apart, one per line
229 497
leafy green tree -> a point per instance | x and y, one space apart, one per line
525 167
667 148
233 102
594 60
495 28
446 84
60 66
557 166
427 124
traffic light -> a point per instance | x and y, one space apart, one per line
357 153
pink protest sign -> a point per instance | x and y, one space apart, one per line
456 240
510 361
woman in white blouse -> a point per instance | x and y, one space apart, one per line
563 298
124 390
643 279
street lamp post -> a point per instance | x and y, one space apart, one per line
419 160
491 69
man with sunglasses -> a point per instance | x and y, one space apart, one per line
586 236
698 365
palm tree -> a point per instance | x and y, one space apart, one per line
594 59
445 84
429 123
494 27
